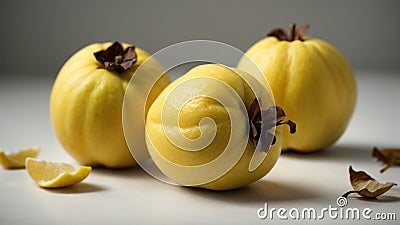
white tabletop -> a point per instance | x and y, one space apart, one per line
133 197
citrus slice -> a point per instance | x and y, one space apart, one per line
17 159
55 174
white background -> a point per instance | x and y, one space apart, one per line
133 197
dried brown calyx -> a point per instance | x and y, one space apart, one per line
272 117
295 34
115 58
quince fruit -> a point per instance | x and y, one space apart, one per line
196 130
87 98
311 80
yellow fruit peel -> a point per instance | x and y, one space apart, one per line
55 174
16 160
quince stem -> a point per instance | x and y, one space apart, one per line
292 31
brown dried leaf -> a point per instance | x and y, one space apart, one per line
300 32
391 157
273 116
366 186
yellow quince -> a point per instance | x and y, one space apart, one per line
311 80
197 130
87 98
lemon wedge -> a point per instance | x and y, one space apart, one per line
55 174
17 159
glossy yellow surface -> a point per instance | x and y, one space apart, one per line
313 83
86 107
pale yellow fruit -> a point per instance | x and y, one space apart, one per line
161 149
312 82
55 174
17 159
86 107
